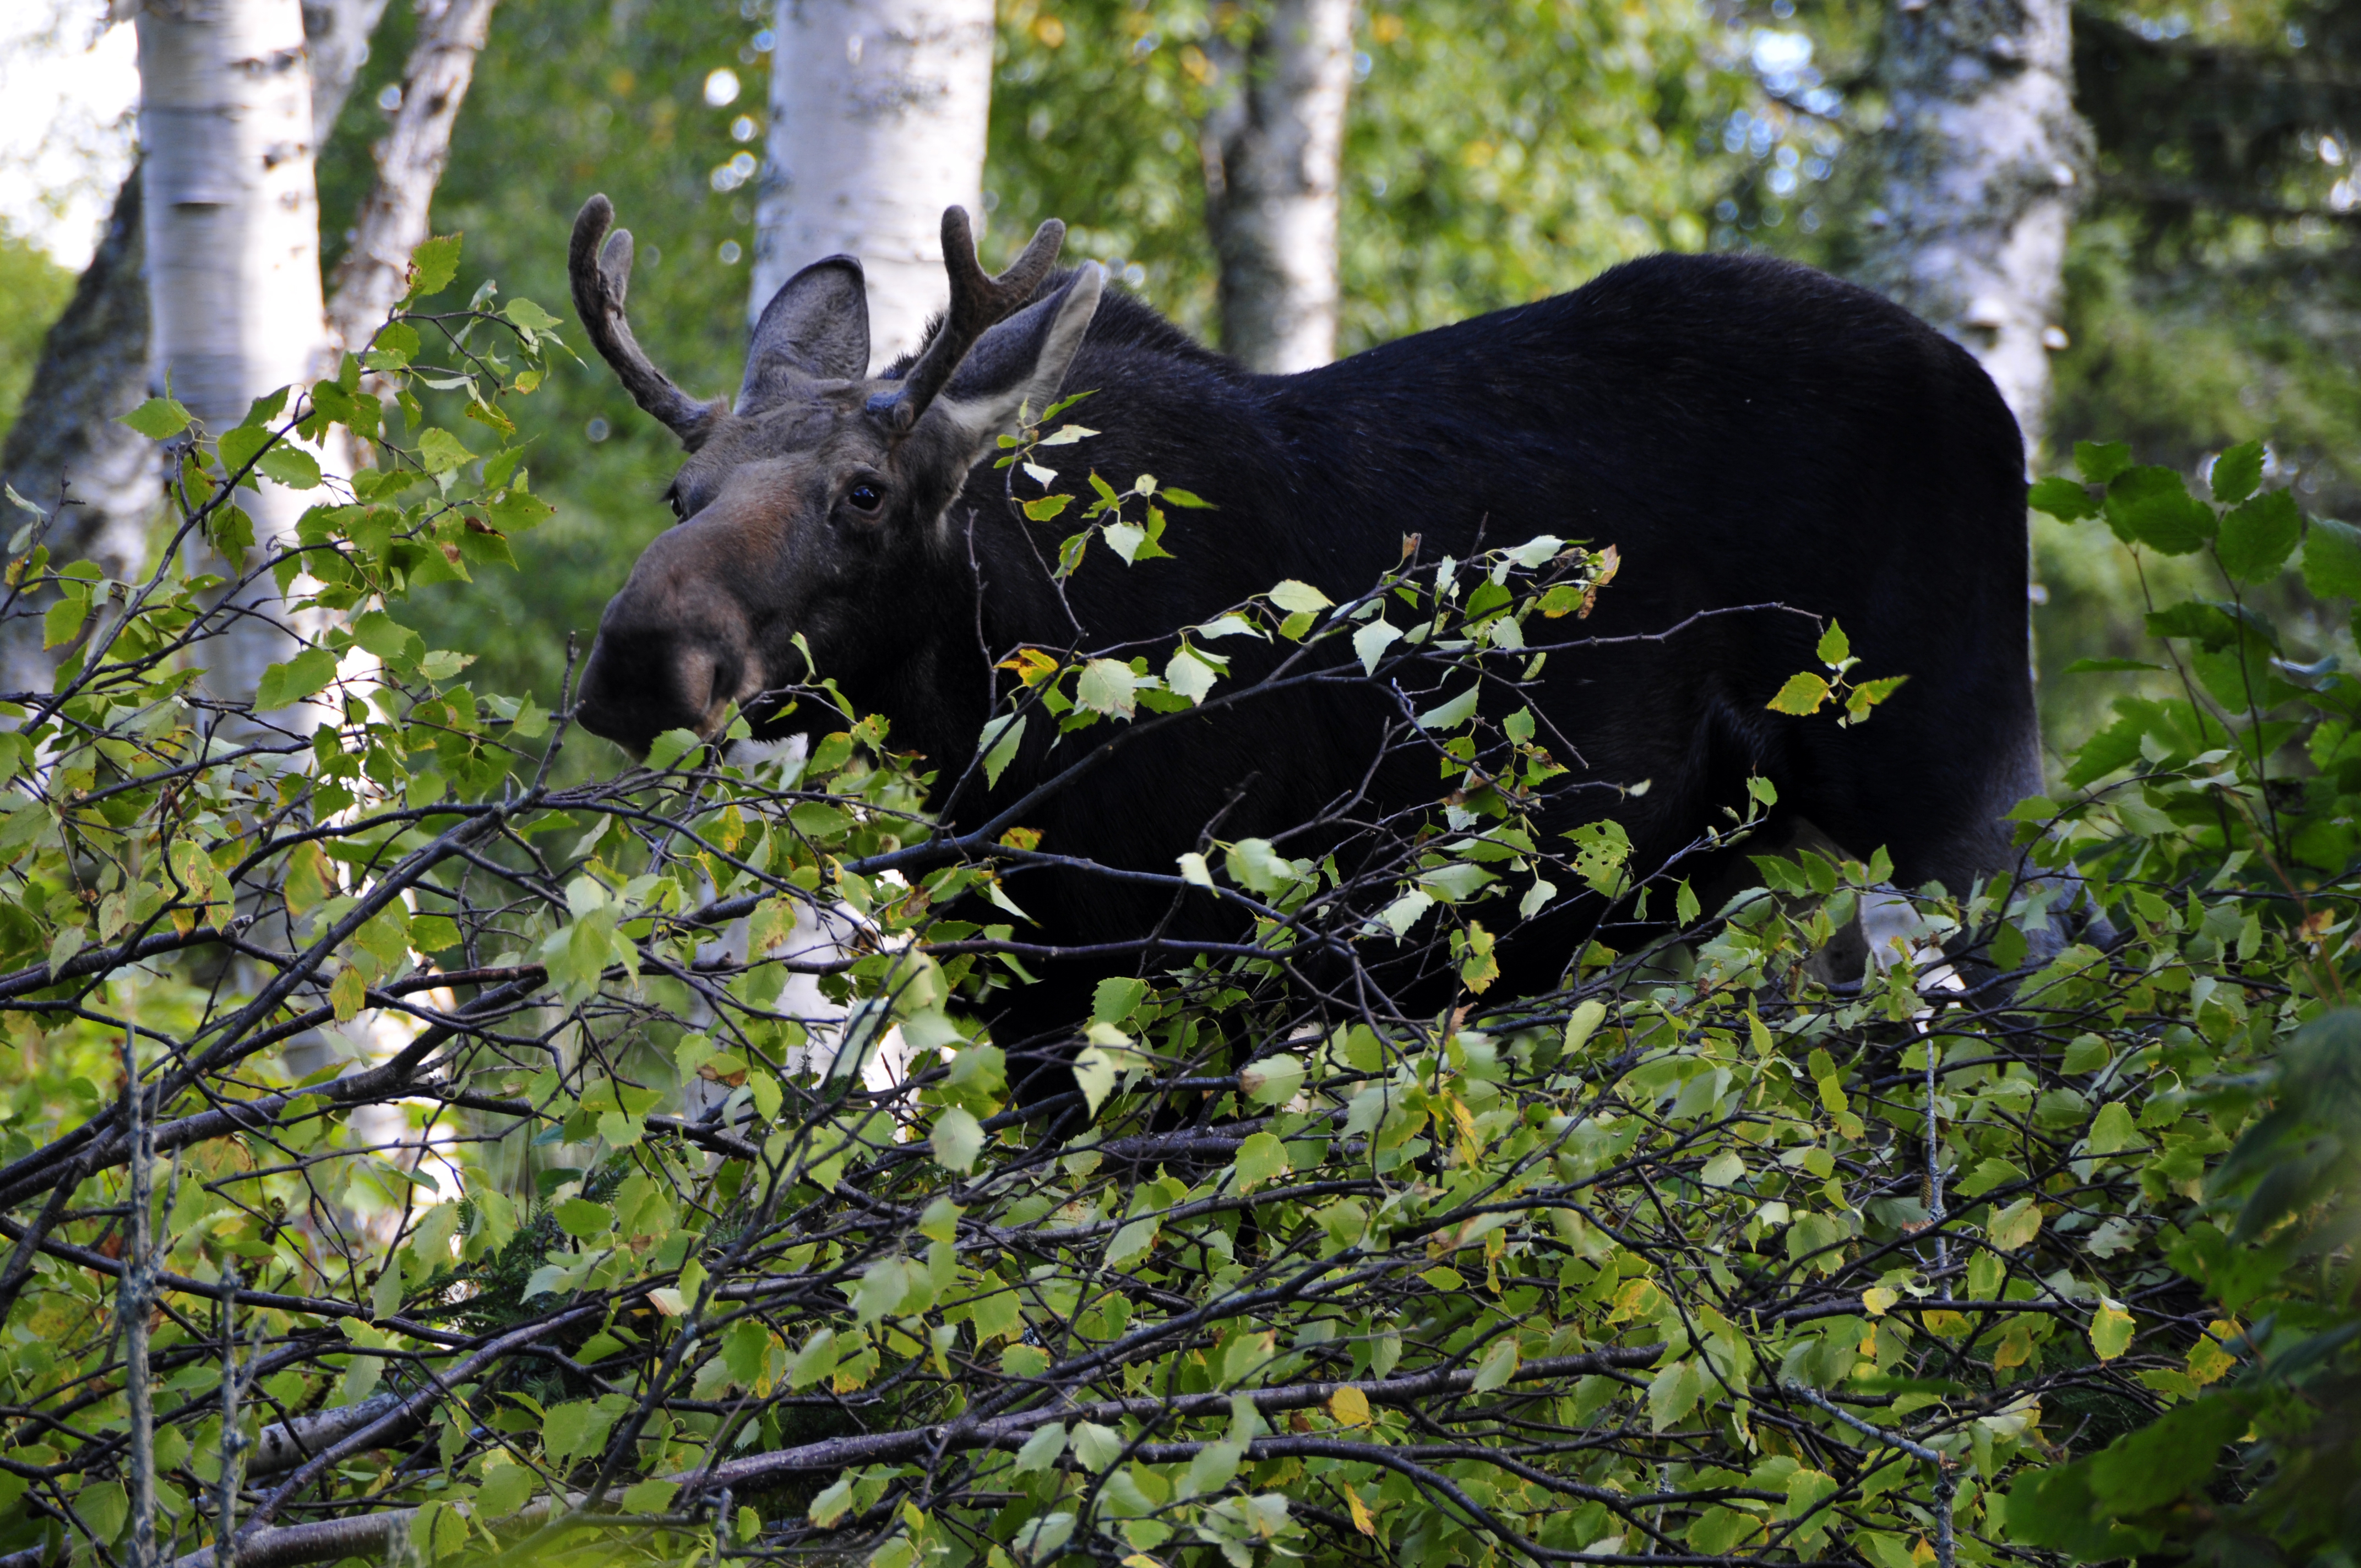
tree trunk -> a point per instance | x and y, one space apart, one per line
233 221
1979 166
878 112
93 368
66 454
409 162
1271 153
337 34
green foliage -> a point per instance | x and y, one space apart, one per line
1992 1244
1494 154
33 290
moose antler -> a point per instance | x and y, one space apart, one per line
601 277
979 302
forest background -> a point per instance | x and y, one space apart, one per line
1496 150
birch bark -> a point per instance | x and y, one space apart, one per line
93 367
392 221
878 114
1272 150
232 224
1980 165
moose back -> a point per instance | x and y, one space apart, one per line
1743 430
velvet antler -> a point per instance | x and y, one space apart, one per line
979 302
601 277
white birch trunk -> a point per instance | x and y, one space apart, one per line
1272 151
233 223
878 115
1981 161
93 367
375 269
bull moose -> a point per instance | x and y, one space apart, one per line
1744 430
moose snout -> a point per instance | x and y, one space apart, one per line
664 661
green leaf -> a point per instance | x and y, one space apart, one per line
1048 507
2016 1225
105 1508
1371 643
1835 646
815 1361
291 466
1096 1446
1451 715
958 1139
2112 1130
440 452
1260 1158
2152 506
527 315
2100 461
2108 667
1108 686
652 1496
834 1503
582 1220
2062 499
1273 1080
1189 676
432 265
1041 1451
670 747
1255 866
1803 694
1094 1076
2237 471
1298 598
380 634
505 1489
1499 1365
2258 536
158 419
282 684
1116 998
2331 559
1000 741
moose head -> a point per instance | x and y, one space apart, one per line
810 504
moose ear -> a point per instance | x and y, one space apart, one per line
816 328
1021 362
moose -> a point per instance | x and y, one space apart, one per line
1744 430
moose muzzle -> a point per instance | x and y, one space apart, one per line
673 651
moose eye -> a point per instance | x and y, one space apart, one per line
864 496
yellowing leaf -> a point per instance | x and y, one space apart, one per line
347 994
2110 1329
1361 1519
1350 1407
1803 694
2207 1360
2016 1225
1879 1300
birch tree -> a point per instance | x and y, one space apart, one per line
878 115
66 451
233 223
1979 167
392 220
1271 149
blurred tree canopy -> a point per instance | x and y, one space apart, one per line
33 290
